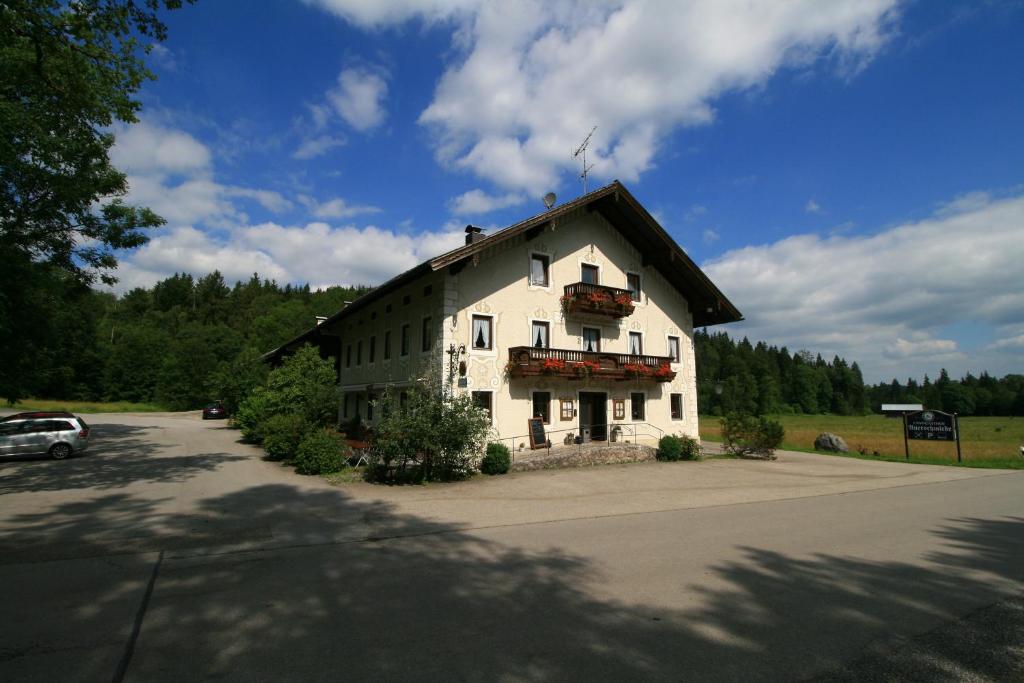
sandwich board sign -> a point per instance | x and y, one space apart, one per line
931 425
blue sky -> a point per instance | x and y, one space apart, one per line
851 174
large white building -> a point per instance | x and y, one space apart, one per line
582 315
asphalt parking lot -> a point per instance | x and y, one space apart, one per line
171 551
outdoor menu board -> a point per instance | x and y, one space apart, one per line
535 427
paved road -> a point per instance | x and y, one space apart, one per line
172 552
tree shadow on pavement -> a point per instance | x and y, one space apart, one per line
118 455
281 582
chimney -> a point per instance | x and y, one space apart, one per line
474 234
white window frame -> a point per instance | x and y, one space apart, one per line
600 337
493 351
531 337
640 276
682 406
646 402
629 339
549 287
679 345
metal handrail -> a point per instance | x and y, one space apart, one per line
608 427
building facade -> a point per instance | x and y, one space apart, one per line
582 316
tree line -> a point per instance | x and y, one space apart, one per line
176 344
737 376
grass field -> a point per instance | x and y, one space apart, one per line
984 441
84 406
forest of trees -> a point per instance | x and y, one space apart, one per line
738 376
181 341
170 344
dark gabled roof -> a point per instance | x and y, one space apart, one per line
707 303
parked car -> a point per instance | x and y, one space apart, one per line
215 411
35 414
59 437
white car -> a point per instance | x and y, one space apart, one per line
59 437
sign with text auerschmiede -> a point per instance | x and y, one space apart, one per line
931 425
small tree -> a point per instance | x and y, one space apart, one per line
746 435
436 436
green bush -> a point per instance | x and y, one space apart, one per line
321 451
673 447
496 460
282 435
746 435
252 415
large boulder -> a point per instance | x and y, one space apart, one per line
827 441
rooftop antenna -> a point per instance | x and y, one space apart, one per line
581 153
549 199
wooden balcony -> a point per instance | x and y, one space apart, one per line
527 361
584 298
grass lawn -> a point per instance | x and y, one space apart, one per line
84 406
984 441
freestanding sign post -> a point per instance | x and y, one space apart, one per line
931 425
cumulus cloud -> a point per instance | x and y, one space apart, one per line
885 299
358 97
315 253
529 79
145 148
477 202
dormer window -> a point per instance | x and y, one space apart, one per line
539 270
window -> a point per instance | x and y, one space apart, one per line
482 332
542 405
588 274
482 399
539 335
359 352
387 309
676 401
633 285
344 406
387 345
373 348
636 401
619 409
567 409
592 339
636 343
348 356
405 340
406 299
427 335
539 270
428 290
358 397
673 348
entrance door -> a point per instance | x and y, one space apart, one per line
594 415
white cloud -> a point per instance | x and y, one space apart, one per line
812 206
317 146
163 57
358 97
478 202
529 79
710 236
147 148
1016 342
887 298
315 253
335 208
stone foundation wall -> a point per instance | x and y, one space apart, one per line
576 456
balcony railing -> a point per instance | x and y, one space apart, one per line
528 361
581 297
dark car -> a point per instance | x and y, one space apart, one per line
215 411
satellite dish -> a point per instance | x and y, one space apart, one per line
549 199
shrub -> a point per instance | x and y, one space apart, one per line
496 460
252 415
321 451
673 447
437 436
746 435
282 435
